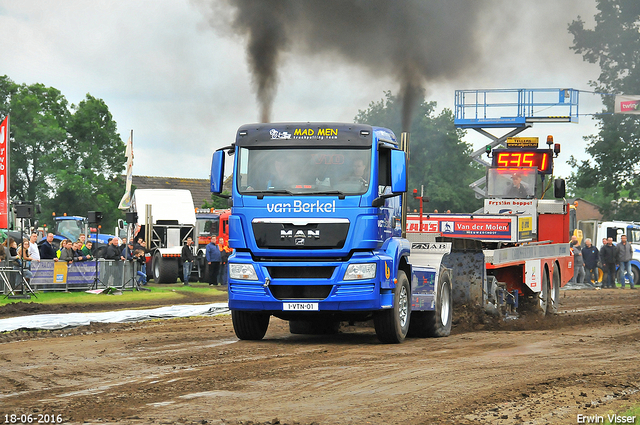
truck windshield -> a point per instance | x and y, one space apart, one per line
70 229
633 235
287 171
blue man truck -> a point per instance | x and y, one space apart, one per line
319 233
316 225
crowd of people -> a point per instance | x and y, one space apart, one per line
20 257
609 258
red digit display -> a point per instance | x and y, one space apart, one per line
539 158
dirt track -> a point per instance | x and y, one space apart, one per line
583 361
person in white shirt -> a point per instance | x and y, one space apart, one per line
34 253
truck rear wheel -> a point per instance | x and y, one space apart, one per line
315 327
165 270
250 325
541 299
554 293
636 274
435 323
392 325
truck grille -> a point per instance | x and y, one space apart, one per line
322 272
300 292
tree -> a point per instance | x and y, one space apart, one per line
90 164
66 157
614 44
39 118
439 159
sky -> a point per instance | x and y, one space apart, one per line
176 72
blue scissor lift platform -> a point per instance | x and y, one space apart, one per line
517 109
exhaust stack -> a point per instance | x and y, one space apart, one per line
404 145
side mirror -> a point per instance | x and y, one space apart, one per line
120 224
217 171
559 188
398 171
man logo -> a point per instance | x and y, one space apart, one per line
312 234
299 241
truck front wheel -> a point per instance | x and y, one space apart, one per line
250 325
392 325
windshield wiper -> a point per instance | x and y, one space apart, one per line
260 193
341 195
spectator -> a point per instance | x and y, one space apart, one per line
624 253
113 250
11 258
138 256
23 254
187 261
78 255
213 257
66 251
127 251
225 252
139 244
10 254
86 250
578 262
608 256
604 273
591 255
34 253
83 240
46 249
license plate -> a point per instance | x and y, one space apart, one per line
300 306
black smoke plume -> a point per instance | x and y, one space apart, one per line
414 41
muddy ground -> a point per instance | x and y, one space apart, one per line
187 371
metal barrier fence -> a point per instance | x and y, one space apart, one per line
49 275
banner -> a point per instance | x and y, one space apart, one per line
627 104
125 202
4 174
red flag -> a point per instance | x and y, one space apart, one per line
4 174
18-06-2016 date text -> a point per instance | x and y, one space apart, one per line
32 418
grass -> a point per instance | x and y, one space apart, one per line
156 292
634 411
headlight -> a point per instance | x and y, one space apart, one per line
360 271
242 272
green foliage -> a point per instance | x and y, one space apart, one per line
439 159
614 44
217 202
65 157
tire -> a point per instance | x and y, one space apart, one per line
436 323
541 299
316 327
392 325
165 270
491 301
554 293
250 325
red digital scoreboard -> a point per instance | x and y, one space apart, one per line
542 159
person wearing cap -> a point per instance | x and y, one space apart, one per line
127 251
518 189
